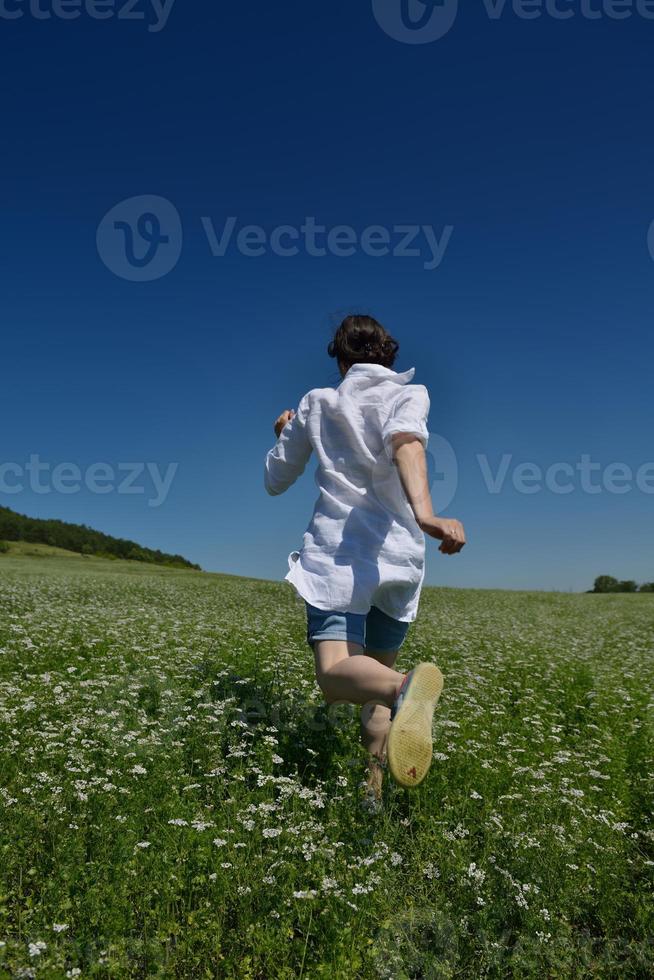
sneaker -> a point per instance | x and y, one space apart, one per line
409 744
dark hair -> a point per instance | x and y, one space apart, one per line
362 340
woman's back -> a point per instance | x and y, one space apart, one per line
363 545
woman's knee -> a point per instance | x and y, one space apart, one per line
327 683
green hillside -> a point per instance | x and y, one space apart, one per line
80 539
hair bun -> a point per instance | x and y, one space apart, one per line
362 339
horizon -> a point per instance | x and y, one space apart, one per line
257 578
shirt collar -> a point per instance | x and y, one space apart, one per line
379 371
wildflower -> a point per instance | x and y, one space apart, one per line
35 949
396 859
310 893
178 822
476 873
59 926
143 844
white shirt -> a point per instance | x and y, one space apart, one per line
363 546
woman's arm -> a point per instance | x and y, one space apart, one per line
411 461
286 461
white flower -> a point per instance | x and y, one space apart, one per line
143 844
35 949
272 831
310 893
178 822
60 926
219 842
396 858
476 873
475 795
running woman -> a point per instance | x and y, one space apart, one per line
362 564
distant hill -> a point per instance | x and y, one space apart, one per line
81 539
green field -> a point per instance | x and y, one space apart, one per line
177 801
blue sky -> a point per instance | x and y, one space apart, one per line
531 140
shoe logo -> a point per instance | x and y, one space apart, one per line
412 772
415 21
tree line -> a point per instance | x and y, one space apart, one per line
606 583
81 539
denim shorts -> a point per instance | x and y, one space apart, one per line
374 630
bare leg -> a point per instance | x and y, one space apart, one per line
345 673
376 718
375 725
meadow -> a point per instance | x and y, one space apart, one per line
177 801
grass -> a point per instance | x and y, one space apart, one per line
177 801
35 550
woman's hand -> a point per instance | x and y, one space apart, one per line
449 532
283 420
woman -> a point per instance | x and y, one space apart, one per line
362 564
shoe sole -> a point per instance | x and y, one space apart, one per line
409 748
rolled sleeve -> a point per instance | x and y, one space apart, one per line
287 460
410 414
